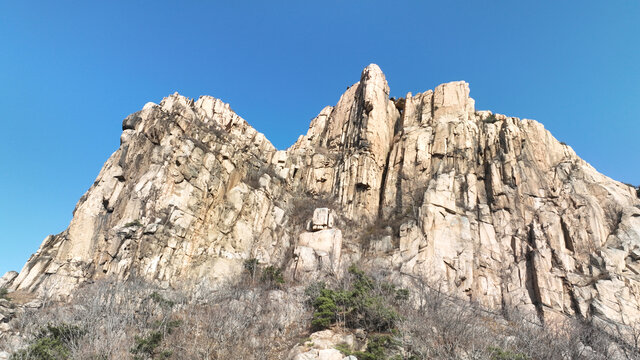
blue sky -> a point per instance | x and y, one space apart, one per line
71 71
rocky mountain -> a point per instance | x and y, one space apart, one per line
490 208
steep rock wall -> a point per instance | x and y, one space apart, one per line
492 208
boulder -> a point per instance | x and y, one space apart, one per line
323 218
321 346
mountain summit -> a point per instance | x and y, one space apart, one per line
491 208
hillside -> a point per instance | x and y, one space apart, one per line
424 194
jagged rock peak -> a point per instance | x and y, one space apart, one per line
372 75
492 208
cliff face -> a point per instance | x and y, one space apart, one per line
491 208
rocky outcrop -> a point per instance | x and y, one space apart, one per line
185 198
318 249
7 278
505 215
347 147
7 309
492 208
322 345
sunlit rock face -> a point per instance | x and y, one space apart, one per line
491 208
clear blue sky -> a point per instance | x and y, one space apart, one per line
71 71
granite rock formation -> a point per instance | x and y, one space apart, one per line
492 208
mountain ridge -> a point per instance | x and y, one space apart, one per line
492 207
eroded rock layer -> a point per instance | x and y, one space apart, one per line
490 207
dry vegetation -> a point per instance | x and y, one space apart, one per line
137 320
443 327
257 320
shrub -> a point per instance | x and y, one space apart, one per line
378 347
133 223
326 310
160 300
402 295
51 342
251 266
148 346
501 354
3 293
43 349
344 348
272 276
365 303
313 291
490 119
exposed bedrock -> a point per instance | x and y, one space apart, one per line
490 207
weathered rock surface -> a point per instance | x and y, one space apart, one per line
491 207
8 278
321 346
318 249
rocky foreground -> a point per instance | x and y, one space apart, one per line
423 191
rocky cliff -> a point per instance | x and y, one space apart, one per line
491 208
